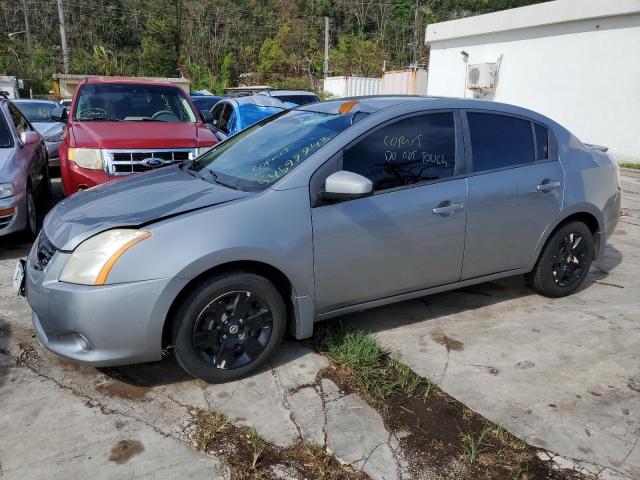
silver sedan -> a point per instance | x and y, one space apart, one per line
312 213
24 173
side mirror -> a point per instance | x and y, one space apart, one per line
29 138
59 114
344 185
207 116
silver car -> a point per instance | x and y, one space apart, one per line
316 212
38 112
24 173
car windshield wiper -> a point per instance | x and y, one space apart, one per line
213 178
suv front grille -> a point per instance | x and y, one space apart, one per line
123 162
44 251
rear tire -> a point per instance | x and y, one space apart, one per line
228 326
564 261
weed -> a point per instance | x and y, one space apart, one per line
207 426
472 445
258 444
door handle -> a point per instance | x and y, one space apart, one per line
547 186
447 208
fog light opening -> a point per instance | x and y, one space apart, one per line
83 342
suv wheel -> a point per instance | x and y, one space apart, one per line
564 262
228 326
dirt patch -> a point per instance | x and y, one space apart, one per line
249 456
125 450
28 357
448 342
115 388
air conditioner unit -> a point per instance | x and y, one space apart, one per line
482 76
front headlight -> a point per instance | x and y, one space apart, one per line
202 150
55 136
91 262
6 190
86 158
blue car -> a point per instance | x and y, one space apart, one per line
232 115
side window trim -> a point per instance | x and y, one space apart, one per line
469 148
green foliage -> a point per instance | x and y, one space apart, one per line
279 42
378 375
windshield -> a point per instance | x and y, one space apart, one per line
261 155
36 111
133 103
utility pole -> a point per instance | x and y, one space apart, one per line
415 36
325 67
63 37
27 24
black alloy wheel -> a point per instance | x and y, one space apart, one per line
233 329
228 325
564 261
570 260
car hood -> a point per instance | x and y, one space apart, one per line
47 128
132 202
135 134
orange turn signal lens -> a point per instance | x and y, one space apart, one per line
104 271
5 212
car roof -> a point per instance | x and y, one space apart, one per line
34 100
375 103
275 93
259 100
136 80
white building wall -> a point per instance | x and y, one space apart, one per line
585 74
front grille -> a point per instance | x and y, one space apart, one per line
44 252
121 162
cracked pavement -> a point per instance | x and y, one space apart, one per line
504 352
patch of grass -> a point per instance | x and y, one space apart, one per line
370 366
635 166
472 445
208 425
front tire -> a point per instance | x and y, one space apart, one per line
31 227
228 326
564 262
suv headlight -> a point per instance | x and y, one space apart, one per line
6 190
202 150
86 158
91 262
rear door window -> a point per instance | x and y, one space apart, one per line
499 141
542 142
412 150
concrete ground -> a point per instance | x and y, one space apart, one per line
562 374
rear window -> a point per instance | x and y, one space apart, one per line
298 99
499 141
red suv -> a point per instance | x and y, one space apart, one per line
120 126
